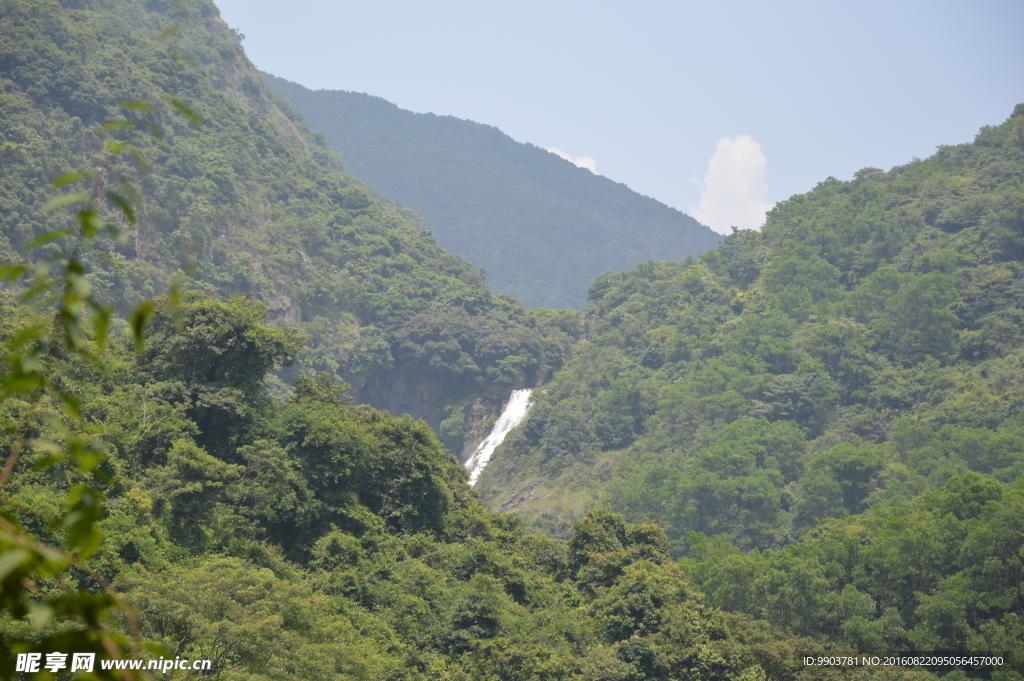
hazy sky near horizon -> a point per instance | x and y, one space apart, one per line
718 109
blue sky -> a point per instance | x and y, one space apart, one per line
718 109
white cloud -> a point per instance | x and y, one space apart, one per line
579 161
734 192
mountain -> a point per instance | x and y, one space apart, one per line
865 310
250 202
840 395
825 418
312 539
540 227
171 503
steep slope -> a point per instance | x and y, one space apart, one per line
302 537
940 572
542 228
827 417
866 346
248 203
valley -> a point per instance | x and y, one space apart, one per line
241 386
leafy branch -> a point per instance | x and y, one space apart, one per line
59 286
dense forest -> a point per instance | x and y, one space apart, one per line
542 228
310 538
166 494
838 395
808 442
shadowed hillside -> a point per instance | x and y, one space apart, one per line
542 228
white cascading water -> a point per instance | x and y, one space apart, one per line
512 416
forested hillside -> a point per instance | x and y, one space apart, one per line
248 202
862 354
163 496
307 538
825 417
542 228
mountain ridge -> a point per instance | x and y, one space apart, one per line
866 351
838 318
541 227
252 203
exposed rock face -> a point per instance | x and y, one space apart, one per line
477 418
523 496
425 396
430 397
406 392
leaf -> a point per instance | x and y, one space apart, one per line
174 304
136 105
116 125
34 291
12 272
70 402
27 335
40 615
139 316
12 560
123 204
20 383
101 322
47 238
47 461
82 533
87 460
186 111
74 267
129 191
65 200
42 268
80 521
113 231
168 32
140 160
72 329
89 220
66 178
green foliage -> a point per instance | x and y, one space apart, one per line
856 317
333 539
838 395
603 545
910 314
939 573
838 481
289 534
250 620
250 203
826 375
48 425
224 345
393 467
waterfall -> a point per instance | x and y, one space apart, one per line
511 417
